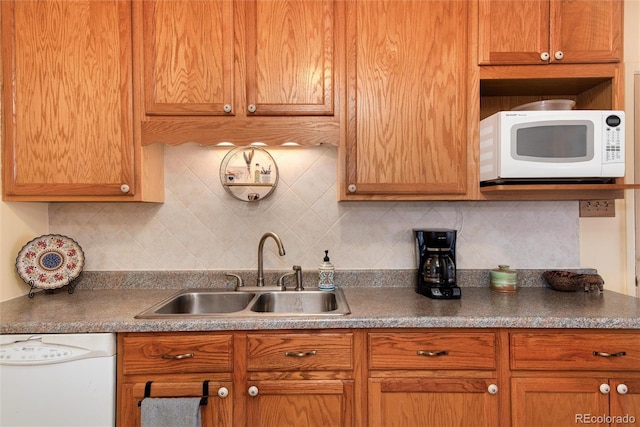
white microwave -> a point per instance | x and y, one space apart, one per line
557 145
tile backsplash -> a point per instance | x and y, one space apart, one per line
201 227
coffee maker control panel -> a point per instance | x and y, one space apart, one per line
444 292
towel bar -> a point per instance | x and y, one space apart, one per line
204 400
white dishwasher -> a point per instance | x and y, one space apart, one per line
60 380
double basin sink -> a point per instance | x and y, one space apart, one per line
218 303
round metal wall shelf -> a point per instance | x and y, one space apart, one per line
249 173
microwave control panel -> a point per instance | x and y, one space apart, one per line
613 136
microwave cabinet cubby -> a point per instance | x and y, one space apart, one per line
591 86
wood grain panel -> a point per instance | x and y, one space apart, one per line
68 76
556 401
144 353
513 32
586 31
407 82
400 350
188 57
218 412
302 403
267 352
290 48
571 351
431 402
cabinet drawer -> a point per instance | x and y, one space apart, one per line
573 351
170 353
432 350
299 352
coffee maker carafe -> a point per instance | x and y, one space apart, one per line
436 254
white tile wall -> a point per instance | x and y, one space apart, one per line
201 227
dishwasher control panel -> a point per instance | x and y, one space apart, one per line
35 354
34 350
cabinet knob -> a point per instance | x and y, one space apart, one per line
352 188
223 392
558 55
253 391
252 108
622 389
125 188
492 389
227 108
545 56
605 389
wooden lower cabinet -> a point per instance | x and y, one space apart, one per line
300 379
430 378
422 401
275 379
217 412
321 403
573 401
388 377
569 378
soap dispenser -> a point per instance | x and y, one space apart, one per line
325 274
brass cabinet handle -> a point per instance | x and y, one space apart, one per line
178 356
300 353
604 354
432 353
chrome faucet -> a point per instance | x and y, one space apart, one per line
260 281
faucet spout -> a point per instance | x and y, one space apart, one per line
274 236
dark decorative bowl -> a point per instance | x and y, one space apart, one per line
565 281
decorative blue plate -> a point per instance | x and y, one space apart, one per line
50 261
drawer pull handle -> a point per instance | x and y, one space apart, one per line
432 353
603 354
300 353
178 356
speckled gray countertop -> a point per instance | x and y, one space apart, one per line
100 307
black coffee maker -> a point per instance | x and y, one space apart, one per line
436 255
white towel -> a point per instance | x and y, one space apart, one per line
171 412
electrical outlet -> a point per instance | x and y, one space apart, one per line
597 208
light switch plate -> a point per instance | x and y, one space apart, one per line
597 208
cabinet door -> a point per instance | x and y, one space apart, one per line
543 31
67 121
557 402
406 130
306 403
625 401
513 32
433 402
586 31
188 57
290 50
218 412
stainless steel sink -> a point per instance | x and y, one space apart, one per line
217 303
203 302
305 302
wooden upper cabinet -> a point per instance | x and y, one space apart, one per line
290 50
67 109
188 57
286 46
549 31
407 93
